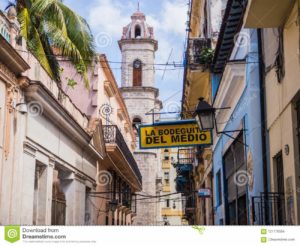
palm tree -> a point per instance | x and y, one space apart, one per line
49 25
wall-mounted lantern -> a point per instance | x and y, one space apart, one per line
206 118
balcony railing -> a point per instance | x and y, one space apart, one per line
182 184
198 52
113 135
186 156
183 168
4 30
269 209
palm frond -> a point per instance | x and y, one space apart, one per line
49 23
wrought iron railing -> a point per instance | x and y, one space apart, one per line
186 156
4 30
183 168
190 202
113 135
269 209
198 53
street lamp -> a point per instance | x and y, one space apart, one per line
206 118
204 115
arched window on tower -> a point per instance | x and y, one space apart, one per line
137 31
137 73
135 124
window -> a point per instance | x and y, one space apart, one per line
135 124
166 155
235 192
137 31
168 203
88 205
40 187
167 175
58 214
167 178
137 73
219 187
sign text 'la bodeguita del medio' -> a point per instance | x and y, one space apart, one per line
173 134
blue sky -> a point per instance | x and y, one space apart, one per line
168 17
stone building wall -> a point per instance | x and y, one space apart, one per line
143 51
139 101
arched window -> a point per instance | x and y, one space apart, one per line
136 122
137 73
137 31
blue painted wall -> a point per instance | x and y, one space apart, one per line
247 110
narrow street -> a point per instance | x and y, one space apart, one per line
157 113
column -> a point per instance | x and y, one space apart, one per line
27 192
50 169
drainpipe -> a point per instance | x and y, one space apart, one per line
263 121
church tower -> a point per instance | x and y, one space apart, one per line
138 48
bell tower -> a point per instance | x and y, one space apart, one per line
138 48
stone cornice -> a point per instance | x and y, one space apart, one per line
9 55
137 41
29 149
140 89
56 112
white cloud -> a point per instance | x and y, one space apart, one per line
174 16
108 16
169 29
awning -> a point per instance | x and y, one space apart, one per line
231 25
267 13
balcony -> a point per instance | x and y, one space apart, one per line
182 183
200 53
190 205
121 154
183 168
186 156
4 28
269 209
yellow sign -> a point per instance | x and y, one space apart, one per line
173 134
